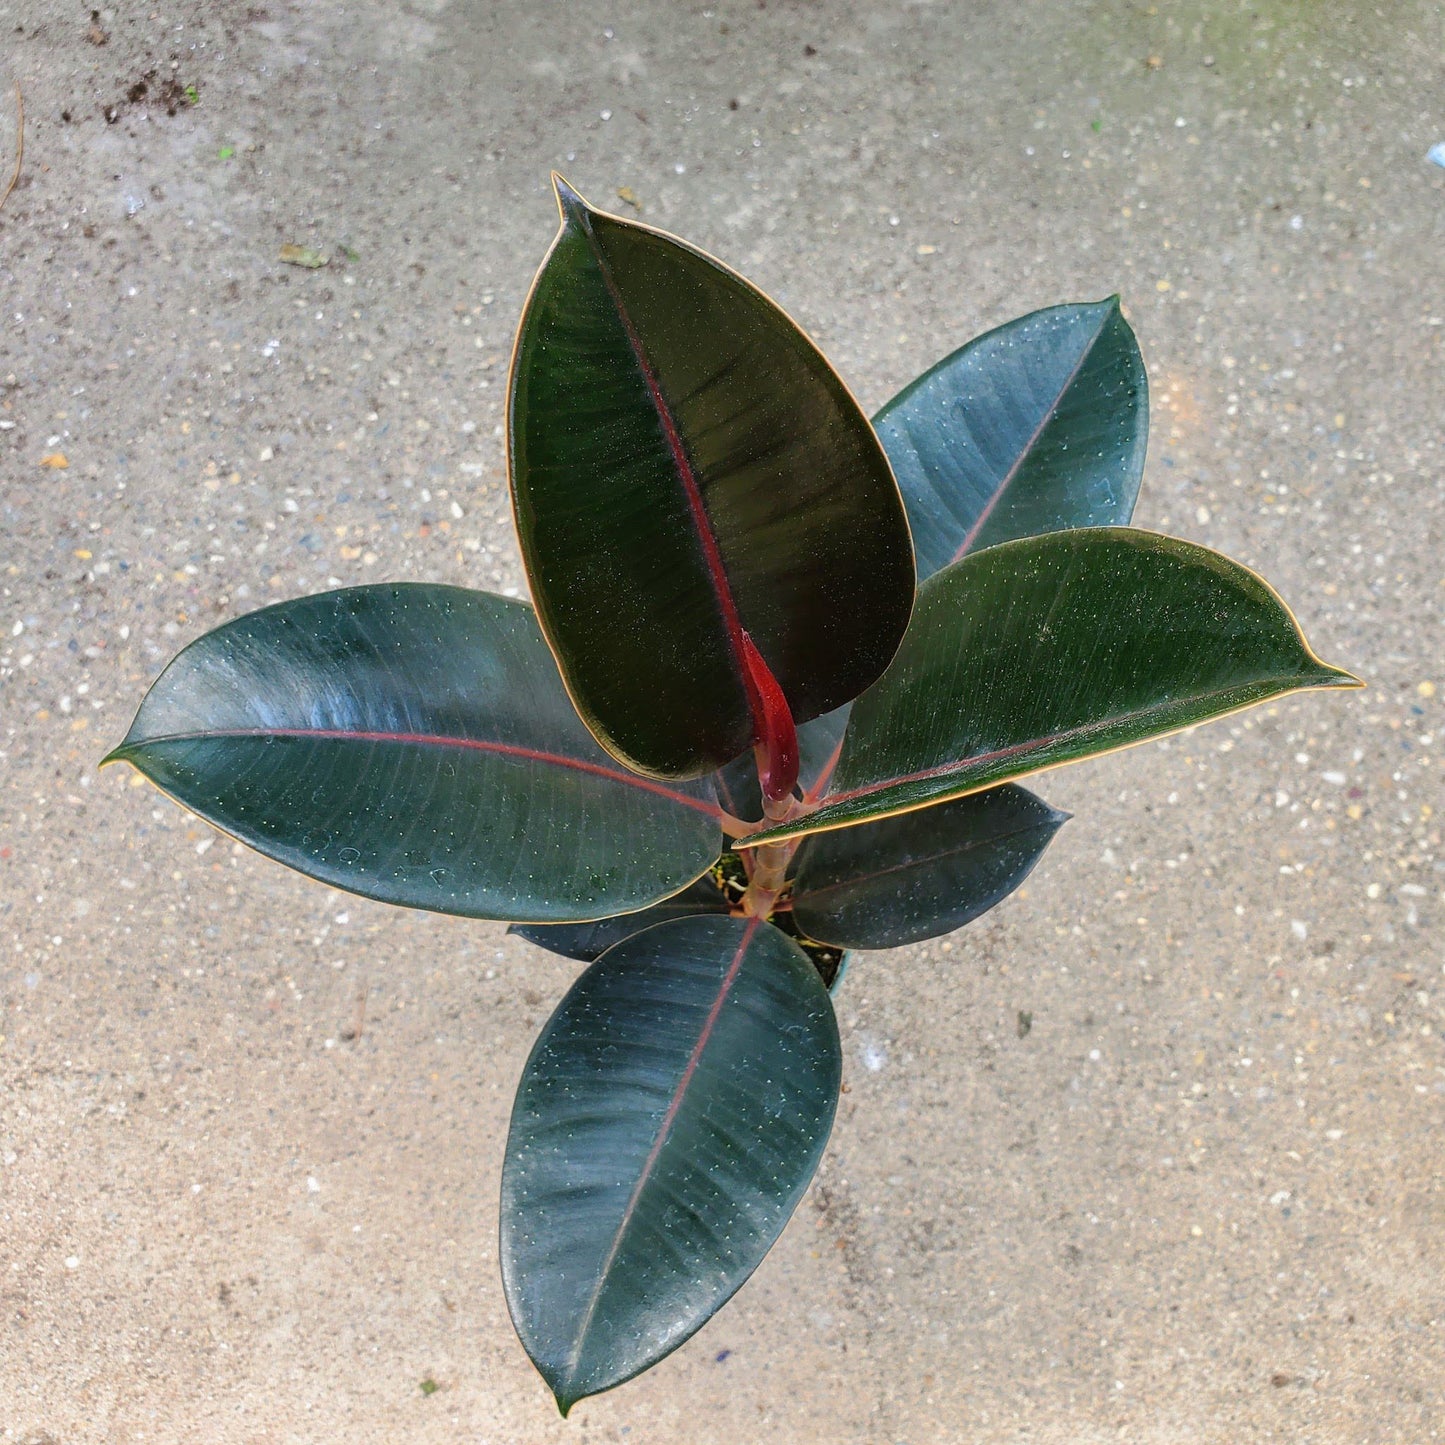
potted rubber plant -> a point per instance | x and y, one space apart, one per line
781 671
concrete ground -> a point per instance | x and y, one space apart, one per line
1201 1198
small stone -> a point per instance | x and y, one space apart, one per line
307 256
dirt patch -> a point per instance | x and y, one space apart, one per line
155 92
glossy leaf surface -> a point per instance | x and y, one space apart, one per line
589 941
1056 648
415 744
666 1125
922 874
1037 426
690 479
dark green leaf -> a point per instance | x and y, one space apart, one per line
687 474
667 1123
414 744
588 941
921 874
1034 427
1037 426
1051 649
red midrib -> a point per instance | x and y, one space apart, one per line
701 522
763 692
943 769
663 1130
979 760
819 785
857 879
512 750
1028 446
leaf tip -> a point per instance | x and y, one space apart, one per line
572 206
1329 676
564 1402
116 755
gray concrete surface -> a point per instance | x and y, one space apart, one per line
1201 1200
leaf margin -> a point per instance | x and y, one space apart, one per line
1330 678
566 196
745 931
122 751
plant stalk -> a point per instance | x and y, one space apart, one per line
768 873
